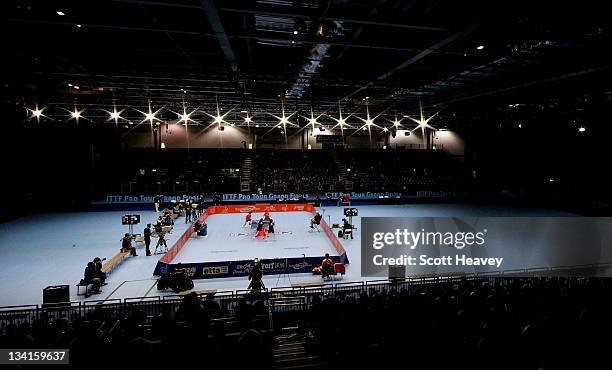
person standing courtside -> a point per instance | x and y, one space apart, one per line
157 202
188 213
147 238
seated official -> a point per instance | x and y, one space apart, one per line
197 226
327 266
316 220
347 226
126 244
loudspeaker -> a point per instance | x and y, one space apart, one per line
56 294
397 272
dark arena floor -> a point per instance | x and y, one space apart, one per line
338 183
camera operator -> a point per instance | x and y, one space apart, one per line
161 241
255 276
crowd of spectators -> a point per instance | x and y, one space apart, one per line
528 323
400 170
294 171
199 330
285 171
173 171
508 324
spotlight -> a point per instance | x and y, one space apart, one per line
480 47
70 85
37 113
115 115
385 129
582 129
247 119
78 25
59 12
295 32
76 87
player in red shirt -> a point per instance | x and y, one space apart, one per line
247 219
261 231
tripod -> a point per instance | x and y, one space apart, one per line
285 274
161 242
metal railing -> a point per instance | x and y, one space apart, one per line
280 299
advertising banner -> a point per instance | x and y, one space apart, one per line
445 245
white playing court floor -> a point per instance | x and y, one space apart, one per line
228 240
54 248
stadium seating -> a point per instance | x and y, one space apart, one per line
515 323
178 171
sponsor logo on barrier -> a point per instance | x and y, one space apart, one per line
215 270
300 265
190 271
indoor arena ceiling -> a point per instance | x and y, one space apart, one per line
314 53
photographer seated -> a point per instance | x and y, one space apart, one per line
197 226
126 245
179 280
316 220
327 266
90 277
98 269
